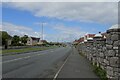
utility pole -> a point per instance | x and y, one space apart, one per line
42 28
42 32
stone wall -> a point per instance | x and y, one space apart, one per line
105 53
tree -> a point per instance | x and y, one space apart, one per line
5 37
24 39
15 40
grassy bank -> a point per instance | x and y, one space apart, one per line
26 49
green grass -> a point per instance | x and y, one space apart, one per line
100 72
26 49
82 54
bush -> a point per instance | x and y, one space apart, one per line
17 44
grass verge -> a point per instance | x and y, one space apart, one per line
26 49
100 72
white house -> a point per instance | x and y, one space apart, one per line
33 41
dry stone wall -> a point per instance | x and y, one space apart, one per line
105 53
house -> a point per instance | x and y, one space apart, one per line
84 39
104 35
100 36
33 41
9 42
75 42
81 39
42 42
88 37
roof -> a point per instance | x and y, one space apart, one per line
34 38
90 35
81 39
43 41
98 35
90 38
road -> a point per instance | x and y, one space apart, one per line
41 64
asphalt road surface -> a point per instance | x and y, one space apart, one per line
41 64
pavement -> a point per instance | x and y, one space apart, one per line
76 66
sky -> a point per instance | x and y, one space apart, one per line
62 21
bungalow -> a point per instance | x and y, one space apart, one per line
88 36
33 41
81 39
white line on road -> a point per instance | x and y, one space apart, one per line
22 57
51 51
56 75
39 54
19 58
27 57
12 60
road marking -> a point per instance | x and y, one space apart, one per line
16 59
19 59
27 57
39 54
56 75
52 51
22 57
12 60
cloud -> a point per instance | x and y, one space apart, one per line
13 29
76 31
64 33
116 26
60 1
41 23
101 12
